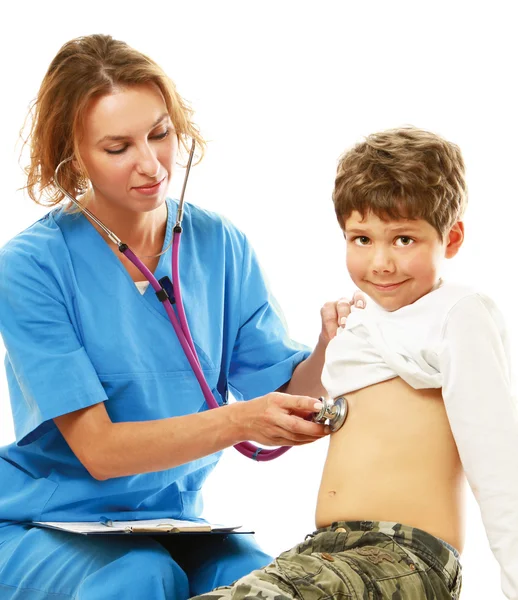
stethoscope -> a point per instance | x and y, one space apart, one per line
334 412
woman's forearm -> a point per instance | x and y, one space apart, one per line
109 450
130 448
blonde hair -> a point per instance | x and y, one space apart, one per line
402 173
85 68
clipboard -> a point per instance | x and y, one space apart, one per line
143 527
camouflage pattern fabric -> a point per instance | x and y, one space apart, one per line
361 560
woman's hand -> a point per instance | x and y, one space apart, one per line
278 419
334 315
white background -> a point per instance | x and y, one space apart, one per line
281 89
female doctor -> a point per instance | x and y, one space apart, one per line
109 418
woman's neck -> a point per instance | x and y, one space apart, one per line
143 232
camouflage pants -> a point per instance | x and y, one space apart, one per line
361 560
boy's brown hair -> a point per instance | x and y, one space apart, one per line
403 173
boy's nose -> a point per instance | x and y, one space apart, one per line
382 262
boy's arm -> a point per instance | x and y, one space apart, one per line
483 417
306 379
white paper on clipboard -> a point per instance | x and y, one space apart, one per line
148 526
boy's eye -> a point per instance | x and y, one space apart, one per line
361 240
158 136
404 240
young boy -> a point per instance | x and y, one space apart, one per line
425 370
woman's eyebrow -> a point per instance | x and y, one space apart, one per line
118 138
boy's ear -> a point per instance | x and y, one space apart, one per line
454 239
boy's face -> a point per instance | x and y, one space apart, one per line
396 262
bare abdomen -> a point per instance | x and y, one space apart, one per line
394 459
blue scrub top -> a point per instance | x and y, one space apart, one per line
78 332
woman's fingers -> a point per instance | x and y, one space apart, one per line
282 419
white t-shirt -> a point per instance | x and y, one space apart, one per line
142 286
455 339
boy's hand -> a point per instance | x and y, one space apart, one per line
334 315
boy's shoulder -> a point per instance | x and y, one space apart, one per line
448 300
434 305
449 293
466 307
453 295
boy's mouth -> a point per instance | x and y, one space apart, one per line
388 287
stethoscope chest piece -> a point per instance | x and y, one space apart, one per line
333 411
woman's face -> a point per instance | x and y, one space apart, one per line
129 149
